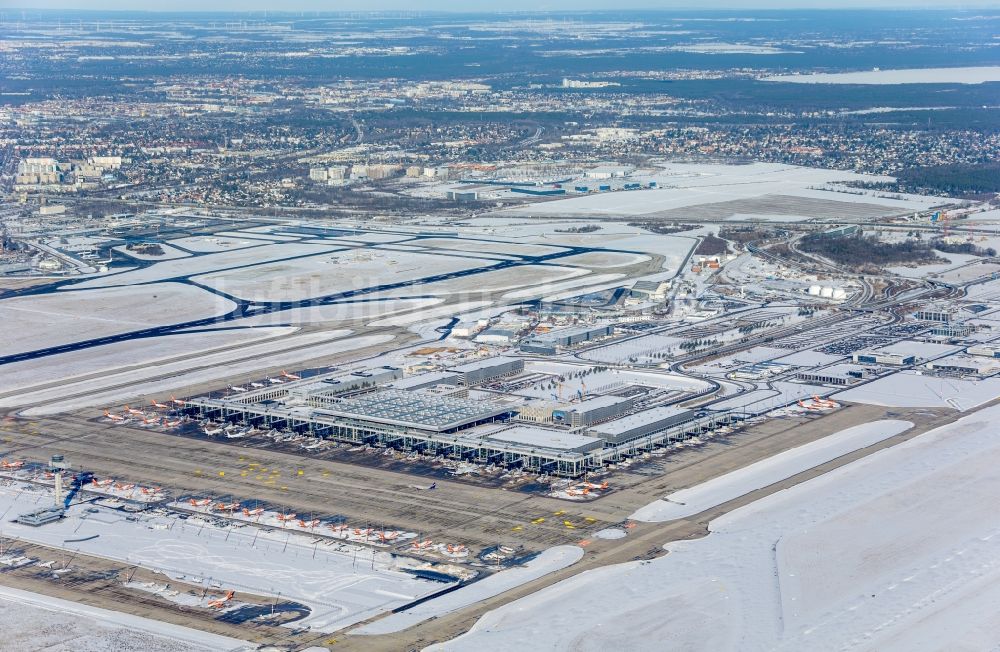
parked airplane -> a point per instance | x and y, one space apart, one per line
285 374
11 465
162 406
114 417
218 604
177 401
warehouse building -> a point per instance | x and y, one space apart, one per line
884 357
565 337
482 371
425 380
966 365
640 424
984 350
838 374
593 410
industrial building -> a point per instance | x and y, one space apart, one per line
496 336
838 374
656 290
323 392
883 357
966 365
593 411
641 423
420 381
984 350
482 371
551 342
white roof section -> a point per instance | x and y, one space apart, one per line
633 421
917 349
419 380
547 438
597 403
842 370
486 363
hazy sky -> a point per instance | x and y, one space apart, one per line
482 5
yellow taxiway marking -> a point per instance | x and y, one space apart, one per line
559 513
538 520
517 528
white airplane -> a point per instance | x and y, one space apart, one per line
237 388
275 381
258 385
162 406
114 417
177 401
285 374
211 432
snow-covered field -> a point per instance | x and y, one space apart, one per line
334 312
35 322
960 75
213 243
899 551
169 253
57 624
706 495
547 562
228 366
331 273
475 285
204 264
144 352
495 247
908 389
683 185
340 582
431 313
576 285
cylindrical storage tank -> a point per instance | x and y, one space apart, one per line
814 290
826 293
839 293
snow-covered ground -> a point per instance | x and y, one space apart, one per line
36 322
144 352
331 273
431 313
898 551
203 264
547 562
57 624
169 253
683 185
908 389
959 75
576 285
334 312
340 582
706 495
140 386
